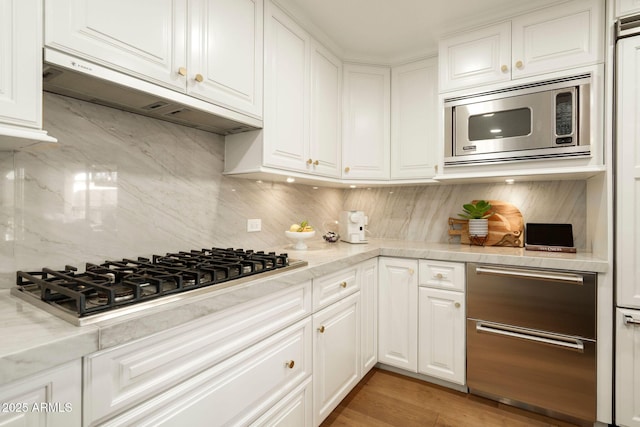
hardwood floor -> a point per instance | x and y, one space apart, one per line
384 398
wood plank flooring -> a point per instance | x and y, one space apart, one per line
384 398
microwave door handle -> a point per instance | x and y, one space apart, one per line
536 336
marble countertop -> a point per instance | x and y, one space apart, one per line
34 340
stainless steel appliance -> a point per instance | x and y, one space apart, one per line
352 226
117 288
533 121
531 339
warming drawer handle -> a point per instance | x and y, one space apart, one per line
541 337
533 274
629 320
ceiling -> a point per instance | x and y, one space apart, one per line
395 30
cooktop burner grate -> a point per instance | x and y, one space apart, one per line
113 284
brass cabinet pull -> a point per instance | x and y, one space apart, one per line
411 271
321 329
316 163
439 276
343 284
504 68
519 64
347 169
182 71
290 364
199 78
309 161
457 305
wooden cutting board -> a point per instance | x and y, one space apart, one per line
506 226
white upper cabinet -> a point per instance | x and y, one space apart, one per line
21 74
475 58
366 122
627 7
224 62
555 38
414 120
303 86
286 125
325 131
210 49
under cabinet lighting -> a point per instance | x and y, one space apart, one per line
495 130
509 180
291 179
352 186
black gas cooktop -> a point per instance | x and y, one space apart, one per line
111 288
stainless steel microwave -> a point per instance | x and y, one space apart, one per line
535 121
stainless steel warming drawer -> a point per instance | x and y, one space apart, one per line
531 339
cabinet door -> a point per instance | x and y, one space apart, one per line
559 37
368 276
21 65
144 38
628 173
366 122
626 7
336 354
326 98
286 124
414 120
475 58
627 368
51 398
398 313
225 53
441 351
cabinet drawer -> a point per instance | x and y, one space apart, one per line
334 287
441 274
236 391
295 410
121 377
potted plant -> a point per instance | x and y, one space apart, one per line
477 214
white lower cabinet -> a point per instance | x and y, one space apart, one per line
234 392
441 339
627 377
51 398
368 277
442 320
336 354
398 313
295 410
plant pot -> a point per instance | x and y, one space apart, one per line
478 227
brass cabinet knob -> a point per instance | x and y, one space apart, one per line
182 71
199 78
457 305
519 64
321 329
347 169
439 276
316 163
504 68
290 364
343 284
411 271
309 161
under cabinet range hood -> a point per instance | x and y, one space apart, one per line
66 75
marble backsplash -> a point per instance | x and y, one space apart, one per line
421 212
122 185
